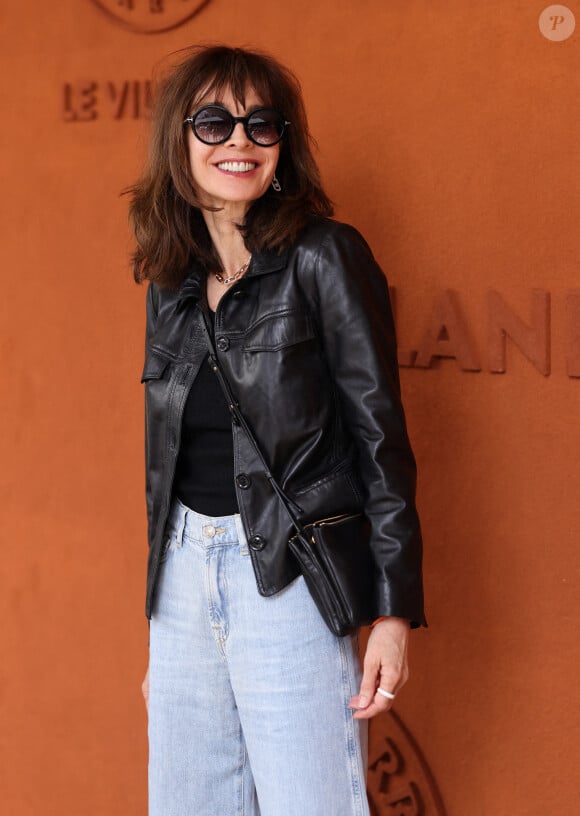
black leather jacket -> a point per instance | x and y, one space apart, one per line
307 342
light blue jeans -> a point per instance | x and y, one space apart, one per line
248 706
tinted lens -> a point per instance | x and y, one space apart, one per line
265 126
212 125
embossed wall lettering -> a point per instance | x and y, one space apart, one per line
449 334
399 780
533 338
573 333
87 101
150 16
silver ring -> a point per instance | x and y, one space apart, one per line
388 694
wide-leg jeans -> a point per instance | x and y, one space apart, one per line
248 706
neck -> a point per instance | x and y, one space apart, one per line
227 239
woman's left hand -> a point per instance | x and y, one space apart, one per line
384 667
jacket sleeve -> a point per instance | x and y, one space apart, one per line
150 320
359 338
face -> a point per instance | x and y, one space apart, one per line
236 172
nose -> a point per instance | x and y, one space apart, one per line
238 135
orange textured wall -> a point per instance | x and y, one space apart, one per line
448 133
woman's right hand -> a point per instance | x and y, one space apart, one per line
145 689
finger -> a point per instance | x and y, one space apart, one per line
145 691
379 702
378 706
354 703
368 685
393 680
368 693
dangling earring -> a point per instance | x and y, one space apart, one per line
276 185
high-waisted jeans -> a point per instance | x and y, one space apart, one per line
248 706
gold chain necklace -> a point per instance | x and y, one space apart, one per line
235 276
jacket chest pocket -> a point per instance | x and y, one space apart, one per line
279 330
156 378
154 368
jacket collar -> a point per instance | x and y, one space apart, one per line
192 287
265 262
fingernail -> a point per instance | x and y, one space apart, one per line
362 702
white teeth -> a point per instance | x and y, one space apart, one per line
236 166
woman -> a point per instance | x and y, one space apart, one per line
255 707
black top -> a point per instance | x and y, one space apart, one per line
204 475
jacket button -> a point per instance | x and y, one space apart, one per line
257 542
243 481
223 343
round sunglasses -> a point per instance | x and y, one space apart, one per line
213 124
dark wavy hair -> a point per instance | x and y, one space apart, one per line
165 208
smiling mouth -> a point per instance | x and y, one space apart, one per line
237 166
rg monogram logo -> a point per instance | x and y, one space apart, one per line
400 782
150 16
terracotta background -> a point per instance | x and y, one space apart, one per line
448 133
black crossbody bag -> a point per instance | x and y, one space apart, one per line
334 553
